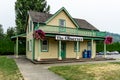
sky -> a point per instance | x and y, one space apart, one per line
103 14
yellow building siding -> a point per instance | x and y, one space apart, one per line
62 15
37 50
29 36
83 46
94 50
70 53
52 51
29 55
70 50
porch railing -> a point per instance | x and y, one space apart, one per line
71 31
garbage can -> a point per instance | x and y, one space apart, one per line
88 53
85 54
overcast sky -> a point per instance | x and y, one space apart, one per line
103 14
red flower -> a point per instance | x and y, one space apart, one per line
108 40
39 34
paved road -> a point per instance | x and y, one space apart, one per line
114 56
32 71
110 56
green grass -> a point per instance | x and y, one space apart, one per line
9 69
100 71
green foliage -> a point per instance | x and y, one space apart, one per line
110 47
23 6
9 69
101 71
7 64
1 31
10 32
116 37
7 46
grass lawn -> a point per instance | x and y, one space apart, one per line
9 69
100 71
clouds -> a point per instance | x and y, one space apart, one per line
7 13
103 14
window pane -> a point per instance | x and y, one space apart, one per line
30 45
75 46
89 45
44 46
45 42
61 22
30 25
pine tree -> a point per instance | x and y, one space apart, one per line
21 9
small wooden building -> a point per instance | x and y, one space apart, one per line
65 36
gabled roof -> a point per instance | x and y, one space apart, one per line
84 24
62 9
40 17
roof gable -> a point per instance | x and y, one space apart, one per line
59 11
40 17
83 24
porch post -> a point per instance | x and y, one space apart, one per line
104 50
17 47
39 48
77 55
59 56
92 49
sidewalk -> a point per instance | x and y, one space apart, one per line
32 71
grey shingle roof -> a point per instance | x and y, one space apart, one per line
39 16
42 17
84 24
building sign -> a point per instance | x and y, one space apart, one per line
69 38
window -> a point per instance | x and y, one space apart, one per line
44 46
75 46
30 26
62 27
89 45
62 22
28 29
27 45
30 45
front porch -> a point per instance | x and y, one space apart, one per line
16 40
64 49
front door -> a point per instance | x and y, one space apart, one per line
63 50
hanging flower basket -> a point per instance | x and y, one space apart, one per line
39 34
108 40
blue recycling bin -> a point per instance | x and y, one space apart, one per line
88 53
85 54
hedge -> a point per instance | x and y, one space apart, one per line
7 47
110 47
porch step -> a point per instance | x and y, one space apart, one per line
70 60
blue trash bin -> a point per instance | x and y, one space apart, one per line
85 54
88 53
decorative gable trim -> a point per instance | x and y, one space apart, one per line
60 10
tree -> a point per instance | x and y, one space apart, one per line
23 6
1 32
10 31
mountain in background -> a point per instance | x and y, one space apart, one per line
116 37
